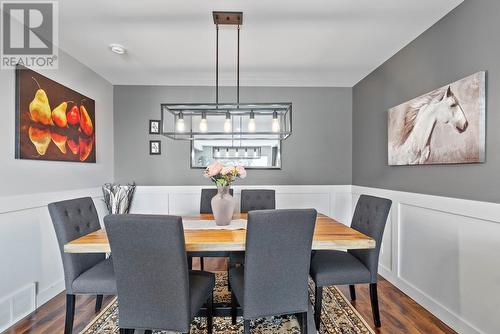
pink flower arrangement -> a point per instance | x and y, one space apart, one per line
224 175
213 169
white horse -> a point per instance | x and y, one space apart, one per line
414 144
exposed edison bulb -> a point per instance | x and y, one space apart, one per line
251 123
203 123
227 123
237 153
180 126
227 153
246 153
275 126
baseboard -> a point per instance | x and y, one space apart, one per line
47 294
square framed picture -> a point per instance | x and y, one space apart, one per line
154 147
154 127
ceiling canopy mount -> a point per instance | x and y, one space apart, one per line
231 18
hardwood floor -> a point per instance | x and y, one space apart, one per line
399 313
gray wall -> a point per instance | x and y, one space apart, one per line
318 151
30 176
462 43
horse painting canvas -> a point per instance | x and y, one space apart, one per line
445 126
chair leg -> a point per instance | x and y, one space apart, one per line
70 314
374 300
233 308
98 303
202 264
317 306
246 325
127 331
352 290
190 262
148 331
210 304
303 325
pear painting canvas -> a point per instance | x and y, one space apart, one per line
53 122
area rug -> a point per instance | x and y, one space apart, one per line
338 317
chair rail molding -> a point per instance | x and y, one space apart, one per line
443 253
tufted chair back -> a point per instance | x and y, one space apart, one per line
369 218
277 257
206 199
149 259
73 219
257 199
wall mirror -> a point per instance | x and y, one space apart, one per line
252 154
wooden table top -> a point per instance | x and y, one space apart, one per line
328 234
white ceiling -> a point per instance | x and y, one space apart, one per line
283 42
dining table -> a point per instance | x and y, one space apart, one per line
329 234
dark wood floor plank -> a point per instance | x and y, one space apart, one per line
399 313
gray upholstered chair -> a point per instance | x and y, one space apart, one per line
275 276
257 199
206 207
84 274
354 266
155 289
253 199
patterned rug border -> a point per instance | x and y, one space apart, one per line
98 315
354 310
346 300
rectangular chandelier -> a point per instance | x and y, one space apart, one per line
234 121
223 121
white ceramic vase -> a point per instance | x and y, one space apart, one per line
223 206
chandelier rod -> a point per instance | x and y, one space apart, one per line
238 70
217 65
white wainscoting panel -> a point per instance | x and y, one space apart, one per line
385 259
444 253
147 200
334 201
319 201
341 206
184 203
